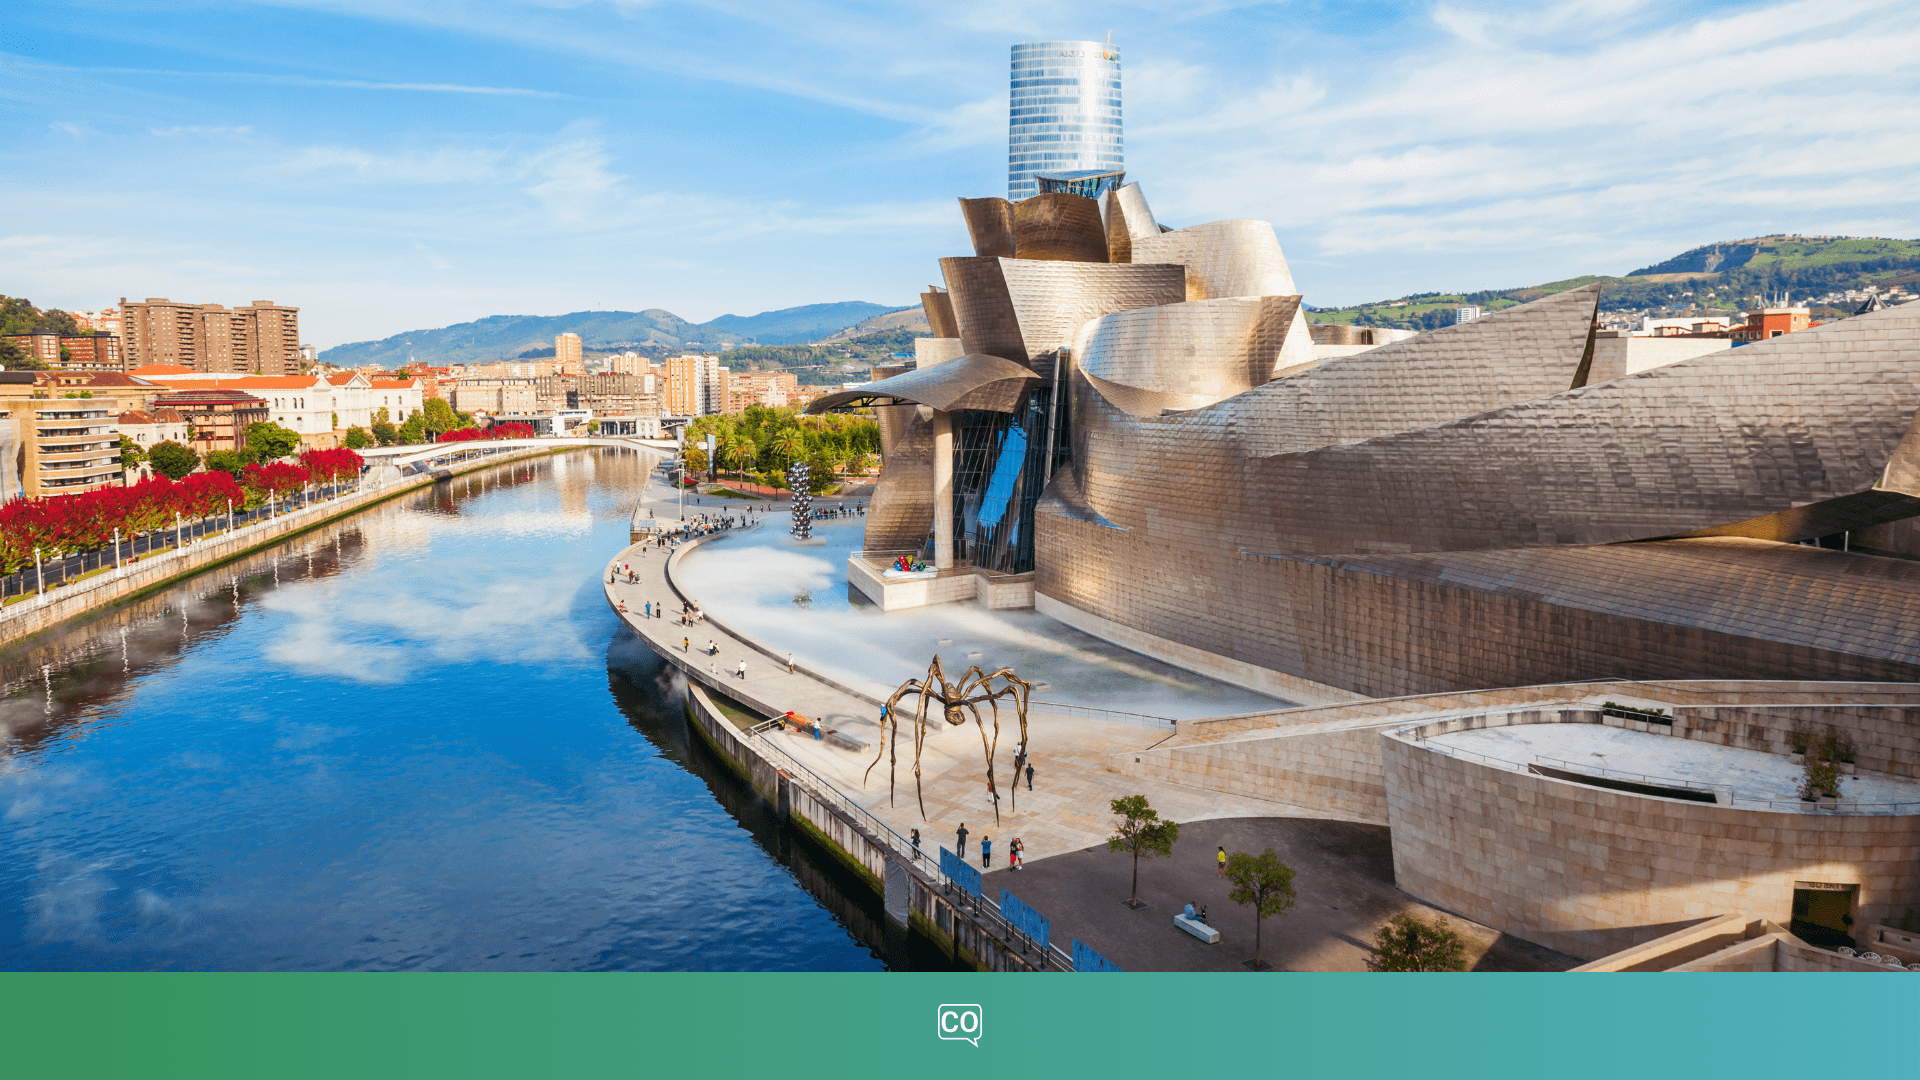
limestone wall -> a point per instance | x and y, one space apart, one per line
1590 871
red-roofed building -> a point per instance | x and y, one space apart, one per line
219 417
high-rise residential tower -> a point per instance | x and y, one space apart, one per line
1063 112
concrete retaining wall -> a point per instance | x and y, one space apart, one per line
1591 872
945 918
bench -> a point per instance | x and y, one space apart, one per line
1198 929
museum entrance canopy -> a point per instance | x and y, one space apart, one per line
974 381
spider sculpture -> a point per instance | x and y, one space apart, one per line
956 701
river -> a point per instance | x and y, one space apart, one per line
413 740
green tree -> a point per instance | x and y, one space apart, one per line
358 438
15 357
787 445
1139 831
172 460
415 429
336 422
1264 882
737 450
1407 943
131 456
696 460
820 474
384 431
231 462
441 417
268 441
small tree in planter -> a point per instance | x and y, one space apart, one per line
1140 832
1820 776
1407 943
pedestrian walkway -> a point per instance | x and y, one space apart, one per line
1073 779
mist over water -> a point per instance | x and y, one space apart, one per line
414 740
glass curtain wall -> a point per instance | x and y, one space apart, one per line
999 471
1063 112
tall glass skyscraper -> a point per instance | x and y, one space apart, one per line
1063 113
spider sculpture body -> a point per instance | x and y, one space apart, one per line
955 702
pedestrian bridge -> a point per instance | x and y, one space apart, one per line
388 463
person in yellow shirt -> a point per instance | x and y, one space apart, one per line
1223 862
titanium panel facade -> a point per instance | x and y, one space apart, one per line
1223 258
1060 227
1202 352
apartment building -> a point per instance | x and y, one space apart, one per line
770 388
696 386
97 352
261 339
60 434
567 354
491 396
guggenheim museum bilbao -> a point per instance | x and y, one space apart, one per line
1571 625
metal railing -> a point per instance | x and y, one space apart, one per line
1163 723
1607 773
982 907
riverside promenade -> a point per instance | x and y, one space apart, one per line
1074 756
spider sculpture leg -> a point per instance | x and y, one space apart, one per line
911 686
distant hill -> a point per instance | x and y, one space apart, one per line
1723 277
911 319
797 326
500 337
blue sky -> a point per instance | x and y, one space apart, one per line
393 164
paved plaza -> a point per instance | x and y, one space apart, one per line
1073 781
1343 872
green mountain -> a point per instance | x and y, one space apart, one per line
1714 278
652 331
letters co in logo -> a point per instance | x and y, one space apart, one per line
961 1022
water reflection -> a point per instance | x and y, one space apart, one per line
406 741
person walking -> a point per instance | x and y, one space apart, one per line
789 663
1222 860
713 647
649 609
915 836
1029 776
713 671
960 836
743 671
686 645
1015 851
986 852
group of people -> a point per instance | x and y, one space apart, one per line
1016 851
820 512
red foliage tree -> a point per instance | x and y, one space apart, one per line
328 466
280 478
514 430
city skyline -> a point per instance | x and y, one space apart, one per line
398 167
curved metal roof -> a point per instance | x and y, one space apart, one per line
975 381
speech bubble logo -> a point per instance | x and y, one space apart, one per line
963 1023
